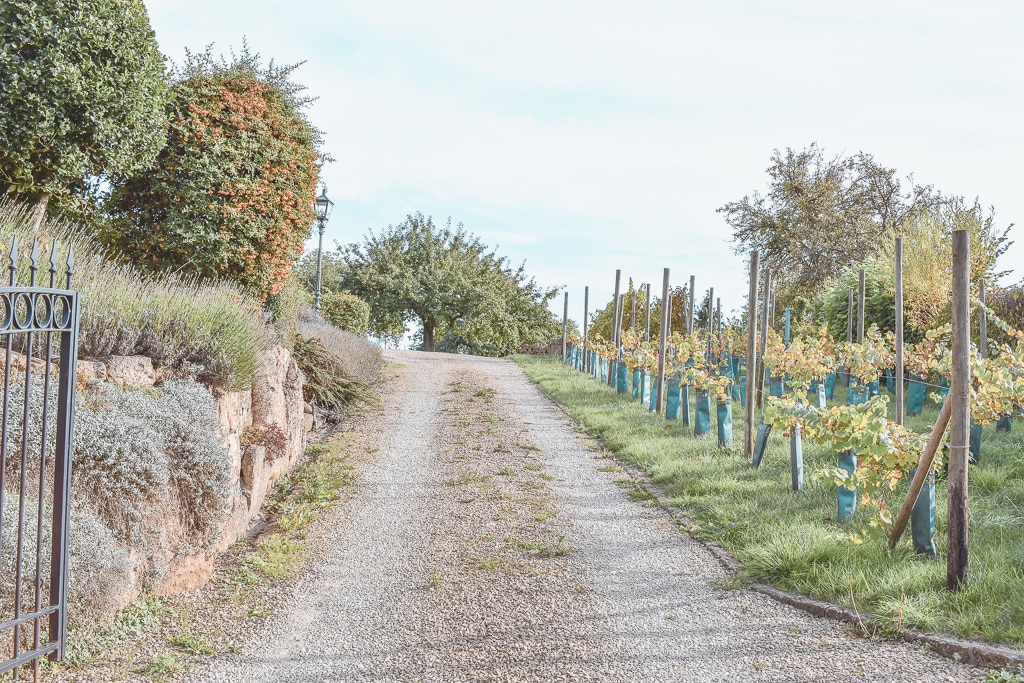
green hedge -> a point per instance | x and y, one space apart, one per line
346 311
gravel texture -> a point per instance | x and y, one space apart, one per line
489 540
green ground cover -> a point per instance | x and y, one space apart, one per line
791 540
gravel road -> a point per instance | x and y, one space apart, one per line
489 541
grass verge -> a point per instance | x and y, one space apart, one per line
791 540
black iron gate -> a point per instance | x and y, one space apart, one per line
39 334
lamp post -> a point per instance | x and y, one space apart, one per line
322 210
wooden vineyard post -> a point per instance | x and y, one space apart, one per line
586 320
860 309
718 316
622 319
711 320
689 309
960 417
632 305
898 379
666 317
982 320
762 370
748 420
565 328
684 390
924 465
647 312
615 329
849 317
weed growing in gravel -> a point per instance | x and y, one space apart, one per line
295 516
1004 676
534 467
192 644
277 556
732 582
315 449
539 548
163 667
544 514
301 495
436 579
507 472
259 610
467 479
113 632
487 563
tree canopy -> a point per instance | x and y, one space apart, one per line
927 270
602 319
230 196
822 214
462 295
84 87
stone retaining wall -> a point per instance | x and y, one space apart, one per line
263 431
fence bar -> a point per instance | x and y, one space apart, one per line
960 418
898 383
666 317
748 422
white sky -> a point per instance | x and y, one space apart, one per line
589 136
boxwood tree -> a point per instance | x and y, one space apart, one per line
83 87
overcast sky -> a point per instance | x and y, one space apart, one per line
589 136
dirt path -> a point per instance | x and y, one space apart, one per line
488 541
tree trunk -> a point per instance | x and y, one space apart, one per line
429 327
40 211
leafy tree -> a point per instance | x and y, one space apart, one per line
331 267
84 89
1008 304
231 194
879 301
451 284
927 270
601 321
820 215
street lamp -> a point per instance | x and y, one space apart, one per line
322 210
